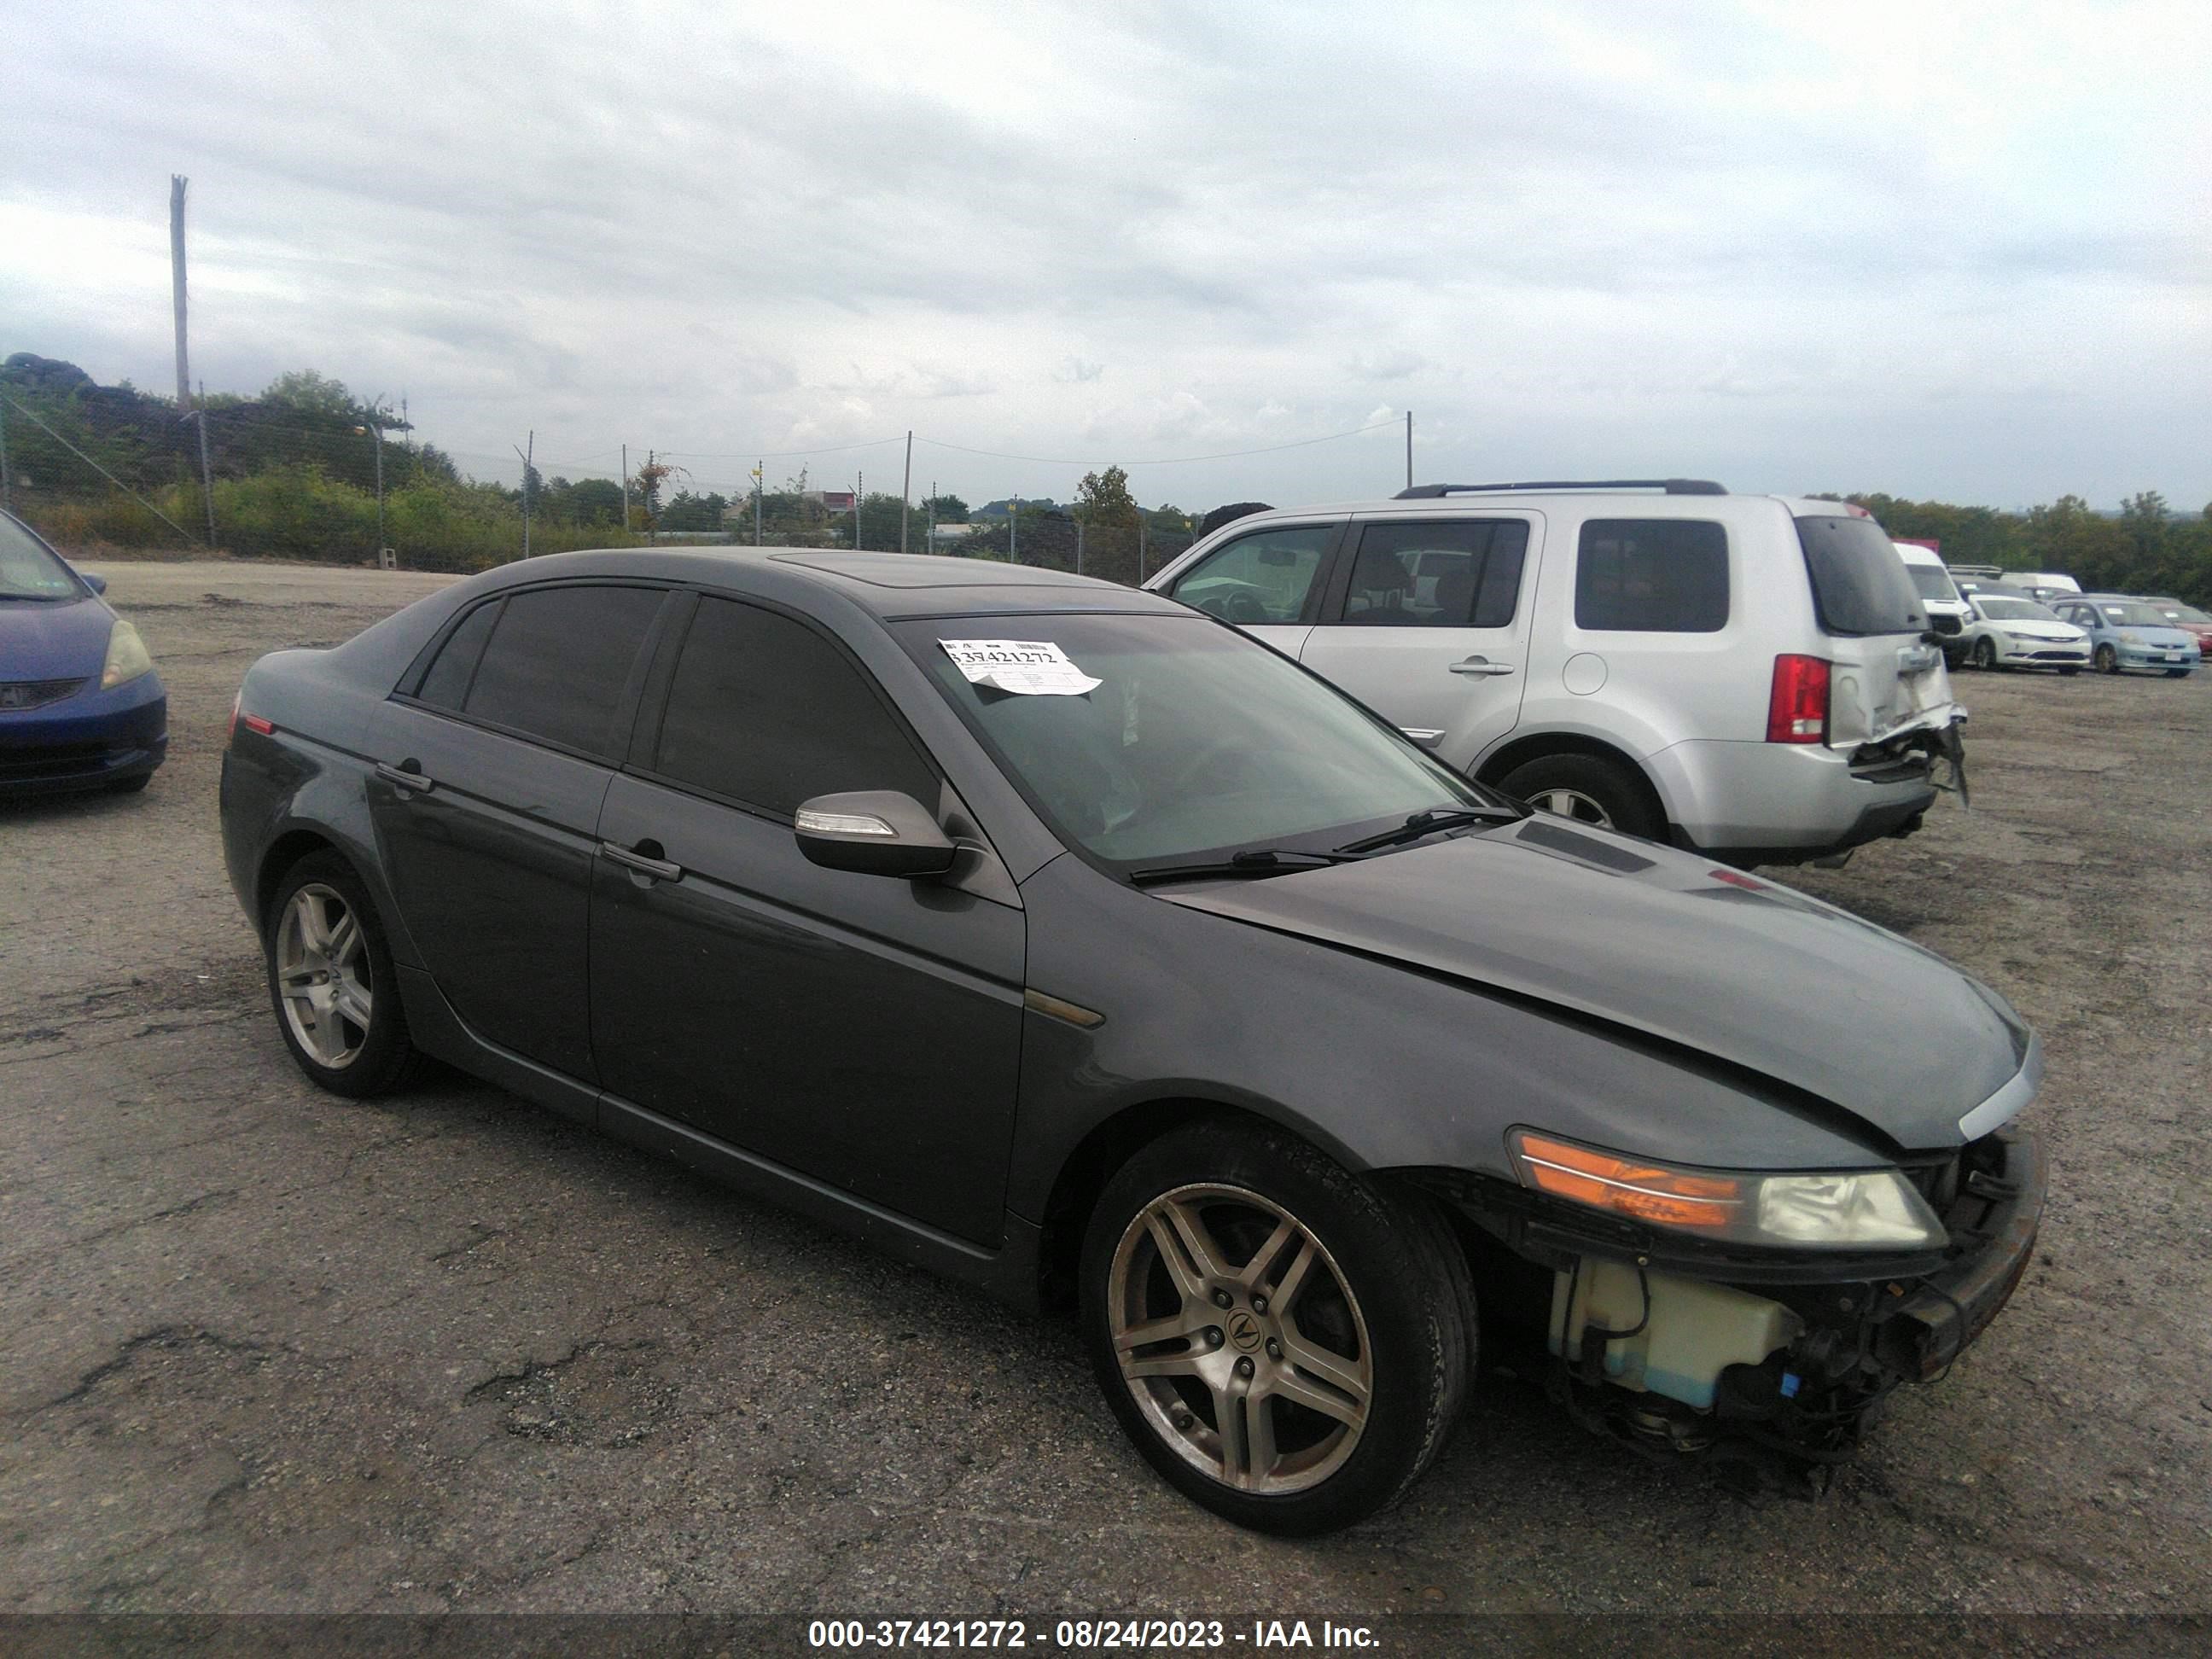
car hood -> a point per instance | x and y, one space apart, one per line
42 640
2165 638
1670 945
2035 631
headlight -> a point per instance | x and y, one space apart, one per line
2010 635
1847 1210
126 656
2130 636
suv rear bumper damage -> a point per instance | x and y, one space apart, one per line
1766 1359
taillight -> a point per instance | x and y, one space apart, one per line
1797 711
250 722
230 732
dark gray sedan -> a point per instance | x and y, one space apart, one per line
1061 939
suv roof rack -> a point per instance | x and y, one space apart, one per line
1672 486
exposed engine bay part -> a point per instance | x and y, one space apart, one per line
1659 1333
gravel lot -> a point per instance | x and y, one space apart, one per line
261 1349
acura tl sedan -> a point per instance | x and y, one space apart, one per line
1066 941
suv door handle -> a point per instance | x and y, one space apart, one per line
407 777
645 863
1427 736
1480 666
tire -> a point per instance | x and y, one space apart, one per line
1364 1367
1986 653
347 1030
2068 673
2107 659
1590 790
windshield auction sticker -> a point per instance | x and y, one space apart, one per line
1034 668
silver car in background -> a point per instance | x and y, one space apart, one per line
1754 677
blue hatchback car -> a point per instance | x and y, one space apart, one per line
2126 632
80 707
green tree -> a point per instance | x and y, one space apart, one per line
951 509
1102 501
310 393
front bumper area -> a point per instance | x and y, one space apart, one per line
93 740
2040 653
1778 1359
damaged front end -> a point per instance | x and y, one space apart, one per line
1669 1330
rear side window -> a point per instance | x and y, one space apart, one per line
1654 576
764 710
447 683
1859 584
1437 575
557 661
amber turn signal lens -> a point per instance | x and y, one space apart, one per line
1645 1192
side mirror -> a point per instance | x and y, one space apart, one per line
97 584
872 832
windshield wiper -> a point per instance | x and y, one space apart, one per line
1253 861
1428 822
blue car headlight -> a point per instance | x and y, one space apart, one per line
127 656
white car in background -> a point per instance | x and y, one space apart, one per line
1948 612
2008 632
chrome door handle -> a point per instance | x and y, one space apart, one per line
659 869
1422 735
1480 666
405 778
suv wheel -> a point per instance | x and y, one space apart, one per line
1285 1344
1588 789
331 981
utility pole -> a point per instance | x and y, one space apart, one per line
625 489
1014 529
1141 546
1409 449
932 506
207 476
1078 547
906 490
177 182
760 483
527 467
859 487
7 481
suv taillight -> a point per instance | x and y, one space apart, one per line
1797 710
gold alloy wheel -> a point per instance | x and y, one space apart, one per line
323 976
1239 1339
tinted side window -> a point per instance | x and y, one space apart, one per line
1260 578
558 660
1438 574
447 683
766 711
1653 576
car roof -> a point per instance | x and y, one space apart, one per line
889 585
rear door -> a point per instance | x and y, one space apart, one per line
862 1030
1886 679
1268 582
492 763
1428 624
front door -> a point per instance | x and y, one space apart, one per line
862 1030
1431 628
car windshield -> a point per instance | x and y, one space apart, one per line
2134 613
2014 610
2174 611
27 571
1859 584
1933 581
1195 743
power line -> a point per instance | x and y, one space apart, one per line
1169 461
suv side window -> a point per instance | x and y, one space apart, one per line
764 711
1264 577
1450 575
557 661
1652 576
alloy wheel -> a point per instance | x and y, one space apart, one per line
1571 804
1239 1339
323 976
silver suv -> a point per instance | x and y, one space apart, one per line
1751 676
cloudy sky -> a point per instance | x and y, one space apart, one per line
1954 250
